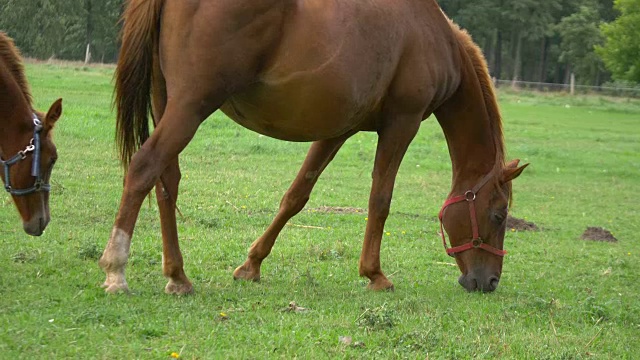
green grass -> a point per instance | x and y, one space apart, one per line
559 298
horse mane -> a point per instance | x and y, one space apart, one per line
490 99
486 84
10 55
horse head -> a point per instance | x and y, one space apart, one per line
26 173
476 222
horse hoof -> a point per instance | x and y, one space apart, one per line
241 273
116 288
381 286
178 289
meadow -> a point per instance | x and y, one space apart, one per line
560 297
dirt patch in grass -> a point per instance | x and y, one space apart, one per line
598 234
520 224
338 210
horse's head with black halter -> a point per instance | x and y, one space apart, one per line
26 173
27 153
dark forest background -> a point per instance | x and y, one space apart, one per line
528 40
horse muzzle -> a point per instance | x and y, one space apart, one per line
479 282
36 225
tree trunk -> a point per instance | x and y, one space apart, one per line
543 60
517 66
89 29
87 54
497 55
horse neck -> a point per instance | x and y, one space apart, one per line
15 114
470 132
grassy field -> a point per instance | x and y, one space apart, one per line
560 297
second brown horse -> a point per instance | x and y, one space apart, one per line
312 70
27 151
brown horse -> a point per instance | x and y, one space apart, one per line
315 70
27 152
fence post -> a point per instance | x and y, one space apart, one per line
573 84
87 55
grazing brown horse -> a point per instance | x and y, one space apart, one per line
27 152
314 70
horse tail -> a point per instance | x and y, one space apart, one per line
133 75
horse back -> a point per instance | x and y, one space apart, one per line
307 70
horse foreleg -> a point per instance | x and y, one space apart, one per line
319 156
170 137
114 260
393 141
172 263
116 254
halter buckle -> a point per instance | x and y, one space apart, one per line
469 195
476 243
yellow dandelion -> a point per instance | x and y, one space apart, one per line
175 355
403 232
513 230
366 219
388 233
223 317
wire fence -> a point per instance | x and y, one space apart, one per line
607 90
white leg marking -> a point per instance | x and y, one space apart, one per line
114 259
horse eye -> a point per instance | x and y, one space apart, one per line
500 216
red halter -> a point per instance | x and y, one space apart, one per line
475 243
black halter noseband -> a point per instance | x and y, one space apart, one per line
34 146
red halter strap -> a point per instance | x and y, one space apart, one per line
476 242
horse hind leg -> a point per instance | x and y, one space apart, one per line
172 262
167 196
393 141
319 156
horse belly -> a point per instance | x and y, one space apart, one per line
305 111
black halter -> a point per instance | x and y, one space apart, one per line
34 146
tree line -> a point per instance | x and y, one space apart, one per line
529 40
547 41
63 29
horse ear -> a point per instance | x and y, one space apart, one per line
512 171
54 113
512 164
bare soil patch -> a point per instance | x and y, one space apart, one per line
520 224
598 234
338 210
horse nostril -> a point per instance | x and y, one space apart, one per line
493 283
472 285
469 283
